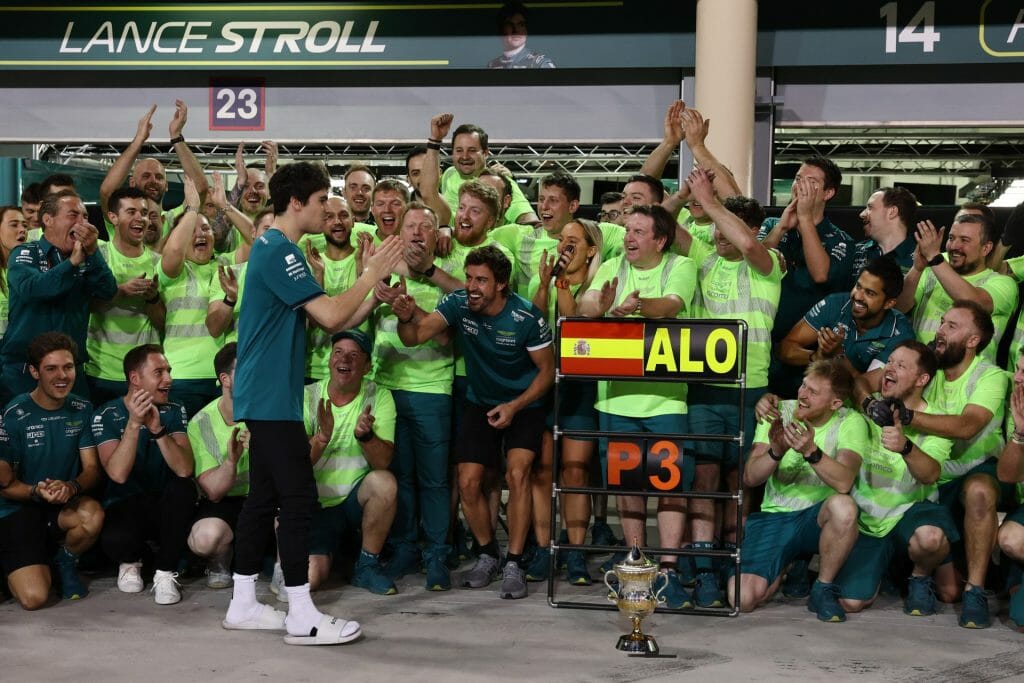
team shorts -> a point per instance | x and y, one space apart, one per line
23 539
333 524
771 540
482 444
227 509
715 410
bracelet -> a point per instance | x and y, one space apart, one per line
229 302
639 305
159 435
936 260
154 300
365 437
180 138
1017 437
773 456
434 140
434 145
34 494
562 283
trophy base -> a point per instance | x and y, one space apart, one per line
643 645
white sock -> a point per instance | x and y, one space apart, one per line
303 616
244 605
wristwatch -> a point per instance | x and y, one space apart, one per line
907 447
815 457
935 260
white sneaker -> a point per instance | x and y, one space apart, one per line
129 580
165 587
277 584
218 572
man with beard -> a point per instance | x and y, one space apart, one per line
248 197
808 457
966 403
186 272
897 491
144 449
148 174
135 315
863 326
510 368
335 270
50 284
47 459
936 281
887 218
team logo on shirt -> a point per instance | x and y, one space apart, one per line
289 259
517 316
505 337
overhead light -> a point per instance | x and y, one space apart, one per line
1012 195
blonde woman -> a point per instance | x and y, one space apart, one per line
577 261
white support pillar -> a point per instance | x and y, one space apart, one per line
725 81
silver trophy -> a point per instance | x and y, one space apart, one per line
636 597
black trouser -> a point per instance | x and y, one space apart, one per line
280 477
165 517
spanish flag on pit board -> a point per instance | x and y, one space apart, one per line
614 349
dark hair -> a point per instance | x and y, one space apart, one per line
469 129
505 181
48 342
224 359
889 272
59 179
984 209
904 201
982 320
833 176
414 152
747 209
492 257
989 231
656 187
391 184
664 222
136 358
926 360
297 180
509 10
838 375
51 202
610 197
565 181
359 167
485 193
32 194
114 201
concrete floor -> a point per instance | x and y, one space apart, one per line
466 635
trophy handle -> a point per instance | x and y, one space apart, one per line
657 594
613 594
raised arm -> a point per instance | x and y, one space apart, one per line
696 131
430 176
929 241
122 167
179 239
729 224
189 163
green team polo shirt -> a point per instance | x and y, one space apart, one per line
271 331
983 385
498 363
885 489
452 180
187 343
931 301
42 444
338 276
342 464
150 472
676 275
119 325
427 368
529 243
733 289
795 485
209 436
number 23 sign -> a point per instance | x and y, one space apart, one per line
237 106
648 465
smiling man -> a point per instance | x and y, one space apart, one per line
144 449
51 283
510 368
936 281
135 315
887 218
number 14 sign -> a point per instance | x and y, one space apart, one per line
237 106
